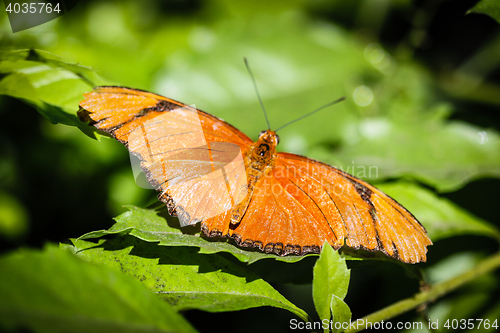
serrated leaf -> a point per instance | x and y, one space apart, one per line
54 291
341 314
331 278
440 217
488 7
147 225
184 278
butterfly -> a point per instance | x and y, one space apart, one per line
209 172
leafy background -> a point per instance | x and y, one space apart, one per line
422 85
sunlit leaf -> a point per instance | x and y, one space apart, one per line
330 283
47 83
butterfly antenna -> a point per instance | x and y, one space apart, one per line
312 112
257 92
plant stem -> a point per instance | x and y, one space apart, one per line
428 295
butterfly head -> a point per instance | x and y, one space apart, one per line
270 137
264 149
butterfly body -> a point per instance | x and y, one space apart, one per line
209 172
258 161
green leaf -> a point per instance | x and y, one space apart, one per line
488 7
147 225
330 283
341 314
379 150
184 278
440 217
54 291
47 83
43 57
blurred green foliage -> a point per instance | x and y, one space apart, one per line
421 120
54 291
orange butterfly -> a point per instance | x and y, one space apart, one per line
210 172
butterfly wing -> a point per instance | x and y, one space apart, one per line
193 159
302 203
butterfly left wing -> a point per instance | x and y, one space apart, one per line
302 203
193 159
